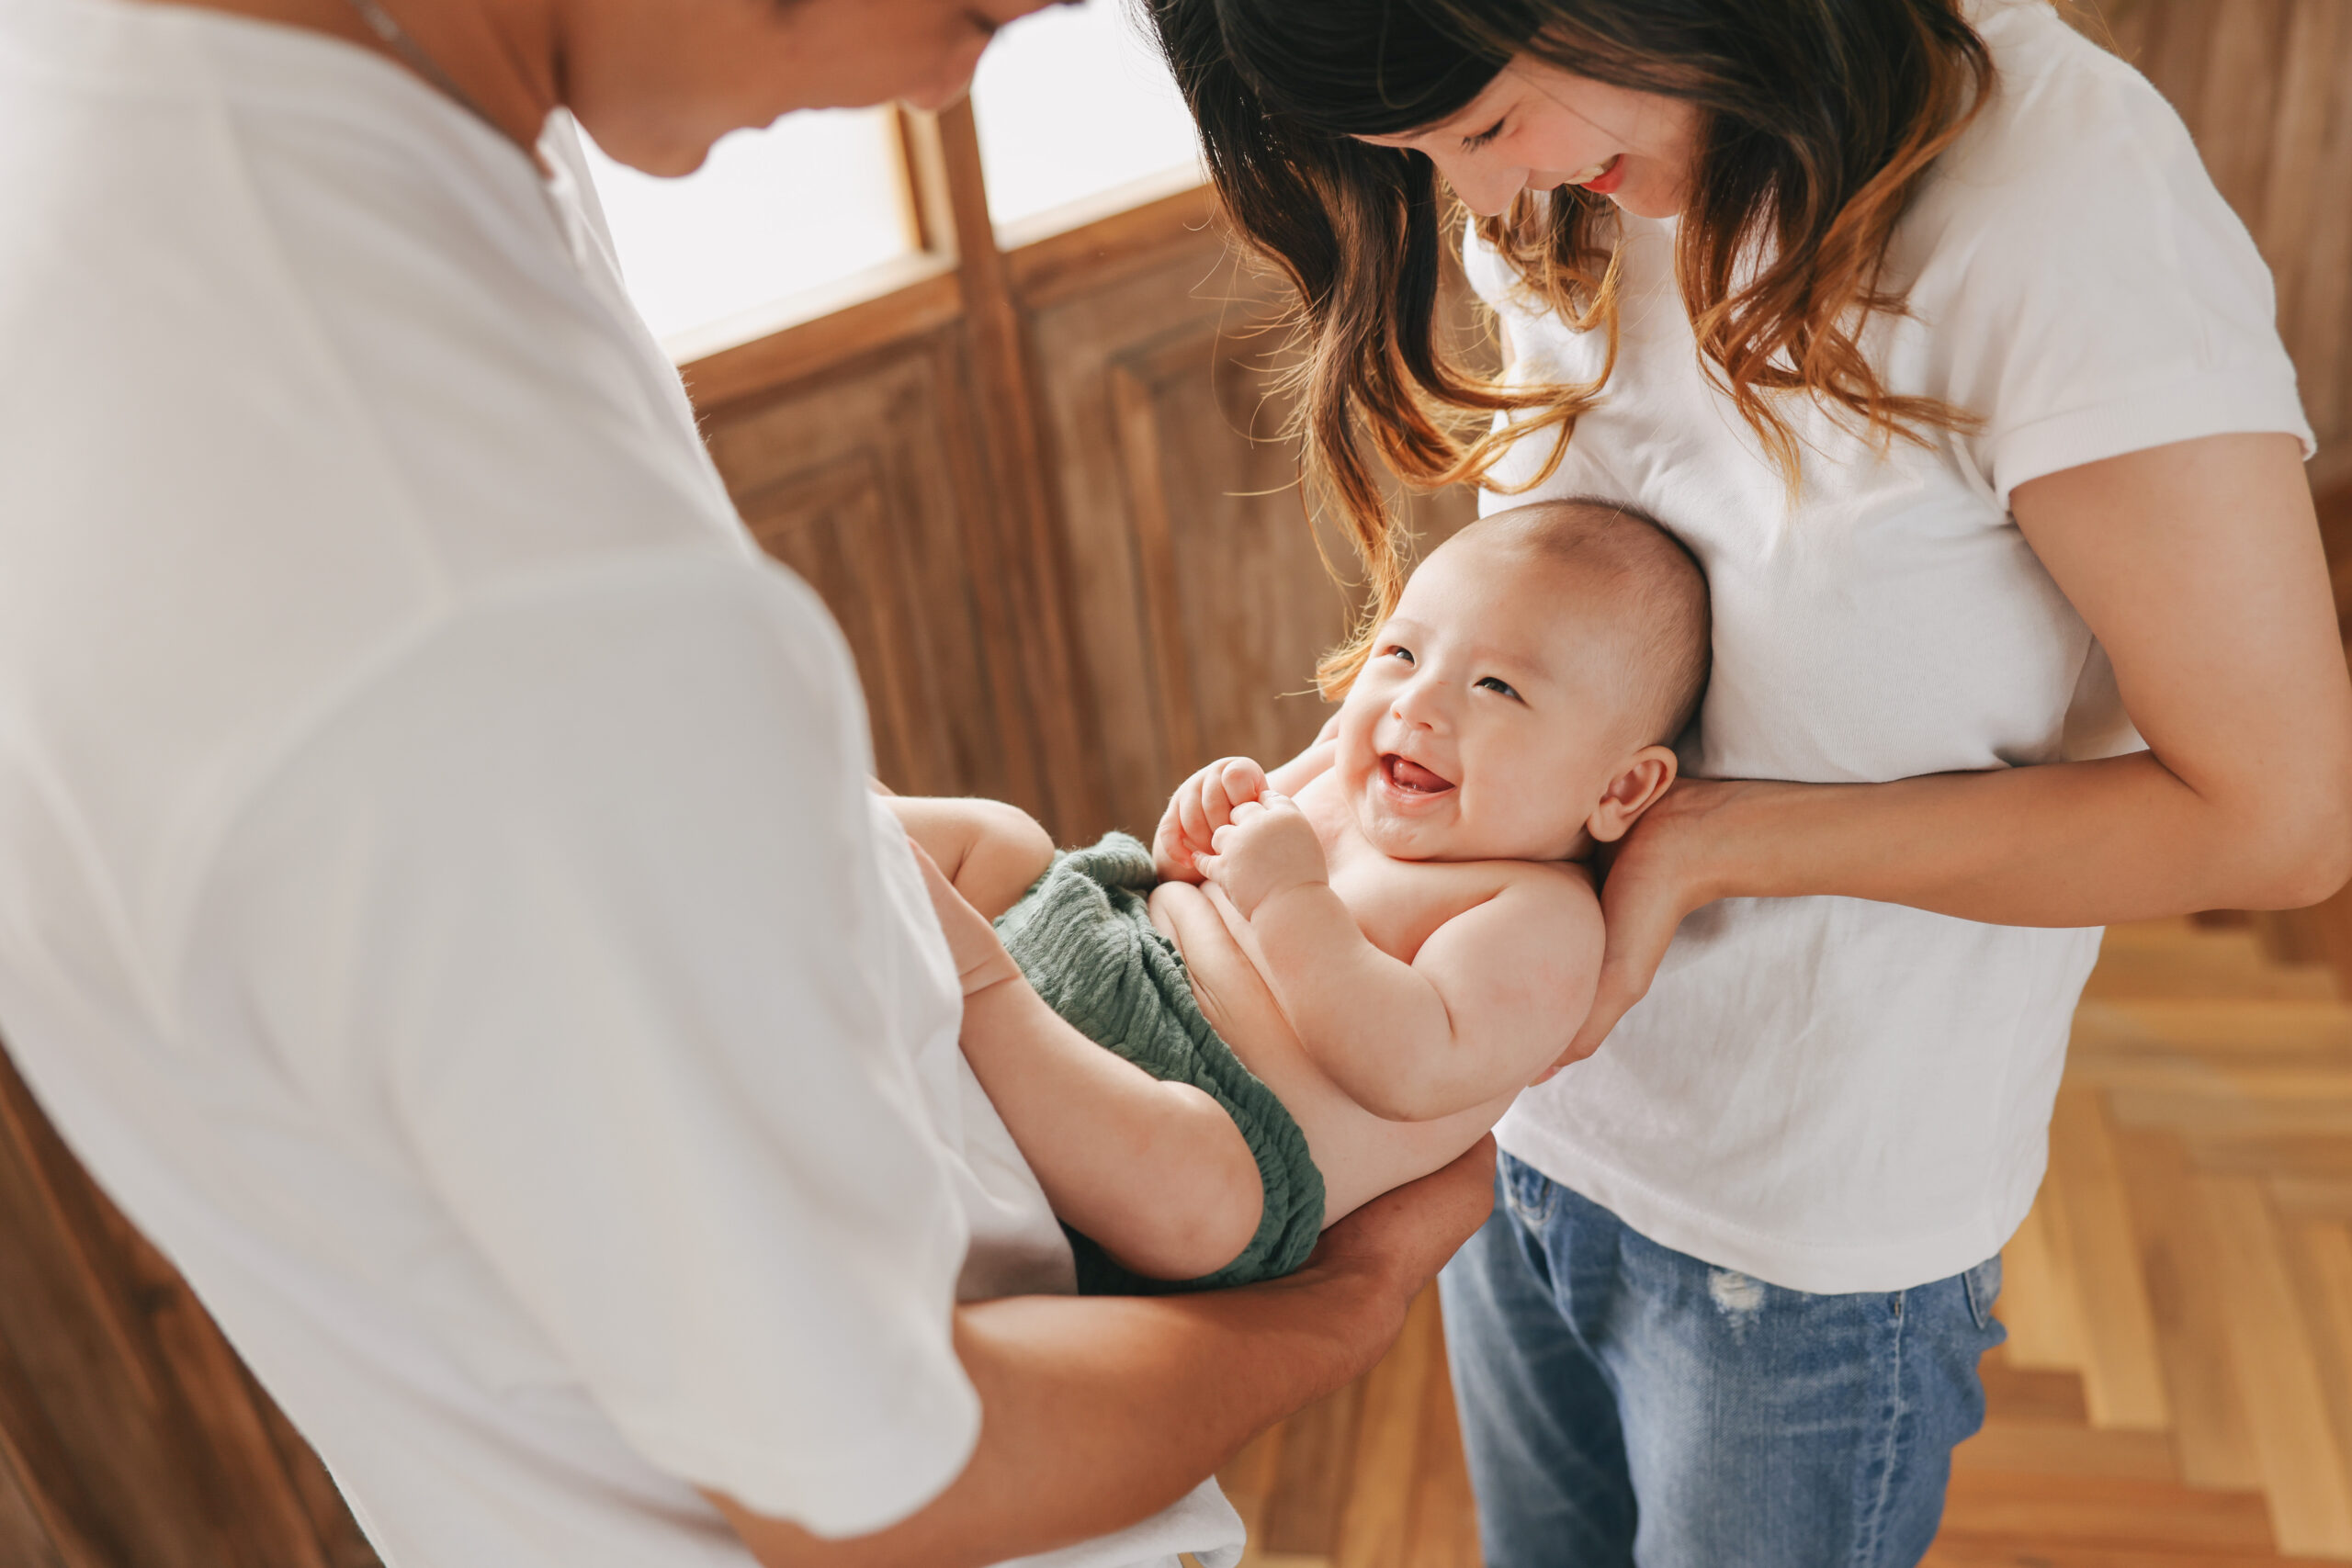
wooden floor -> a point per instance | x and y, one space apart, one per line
2177 1391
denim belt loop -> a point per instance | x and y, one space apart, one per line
1530 1194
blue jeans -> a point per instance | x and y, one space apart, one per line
1622 1402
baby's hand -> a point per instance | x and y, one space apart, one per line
1201 804
980 958
1268 847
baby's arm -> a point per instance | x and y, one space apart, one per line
990 851
1156 1173
1492 997
1301 769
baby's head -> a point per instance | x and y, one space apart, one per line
1522 699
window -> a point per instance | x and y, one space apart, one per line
1075 105
772 218
1076 117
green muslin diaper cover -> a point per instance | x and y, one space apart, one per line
1085 939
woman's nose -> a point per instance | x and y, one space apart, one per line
1485 186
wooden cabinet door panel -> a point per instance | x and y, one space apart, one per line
864 484
1198 598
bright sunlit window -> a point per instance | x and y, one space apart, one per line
1077 116
1073 103
812 200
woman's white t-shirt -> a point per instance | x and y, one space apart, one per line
439 894
1827 1093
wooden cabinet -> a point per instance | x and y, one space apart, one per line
131 1433
869 483
1200 596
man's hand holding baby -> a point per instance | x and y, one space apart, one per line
1267 848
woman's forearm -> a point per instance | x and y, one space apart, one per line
2069 844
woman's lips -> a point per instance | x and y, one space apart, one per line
1411 778
1604 177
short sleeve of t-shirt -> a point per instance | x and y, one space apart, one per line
2080 282
576 907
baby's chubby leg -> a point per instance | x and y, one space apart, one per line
990 851
1156 1173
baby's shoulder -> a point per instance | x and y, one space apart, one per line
1558 897
1531 905
1534 926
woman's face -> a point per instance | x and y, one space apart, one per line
1536 126
656 82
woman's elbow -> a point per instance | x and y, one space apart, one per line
2309 858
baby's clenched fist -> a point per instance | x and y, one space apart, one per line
1266 848
1201 804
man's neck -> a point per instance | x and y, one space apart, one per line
502 56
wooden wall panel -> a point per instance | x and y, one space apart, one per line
1119 369
1239 604
866 481
2266 88
130 1435
1200 598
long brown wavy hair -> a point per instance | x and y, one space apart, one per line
1817 119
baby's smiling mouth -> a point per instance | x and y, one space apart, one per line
1411 778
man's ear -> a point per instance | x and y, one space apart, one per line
1634 791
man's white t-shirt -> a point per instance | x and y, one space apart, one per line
1827 1093
439 894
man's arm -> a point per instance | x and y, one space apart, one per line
1491 997
1098 1412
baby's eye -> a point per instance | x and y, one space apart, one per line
1495 684
1404 653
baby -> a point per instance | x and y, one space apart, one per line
1325 981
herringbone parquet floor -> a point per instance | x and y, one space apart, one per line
2177 1391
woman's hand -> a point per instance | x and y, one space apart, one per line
1201 804
1660 871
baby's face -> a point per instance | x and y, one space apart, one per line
1491 714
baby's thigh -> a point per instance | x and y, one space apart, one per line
992 850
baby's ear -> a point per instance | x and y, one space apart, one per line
1634 791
